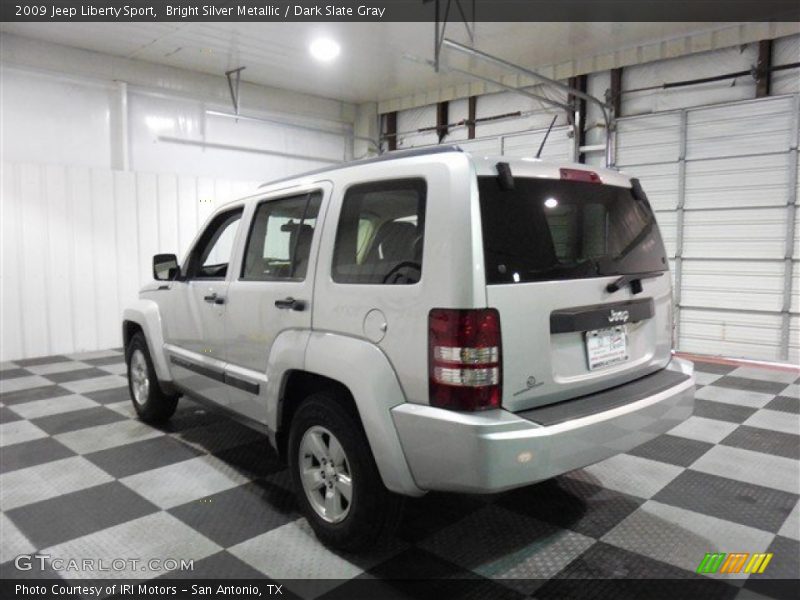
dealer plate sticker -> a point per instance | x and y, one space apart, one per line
606 347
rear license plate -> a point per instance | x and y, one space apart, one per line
606 347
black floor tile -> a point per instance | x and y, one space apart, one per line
784 404
721 411
104 361
36 574
780 578
7 415
37 393
66 376
717 369
14 373
222 434
598 572
750 385
240 513
80 513
753 505
221 565
425 516
42 360
765 440
110 396
256 459
77 419
415 573
673 450
572 504
30 454
122 461
191 415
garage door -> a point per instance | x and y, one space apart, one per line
723 180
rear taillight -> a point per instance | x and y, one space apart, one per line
464 358
580 175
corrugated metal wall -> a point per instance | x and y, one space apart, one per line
723 180
78 244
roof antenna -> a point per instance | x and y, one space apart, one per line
547 133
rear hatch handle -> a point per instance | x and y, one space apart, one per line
634 279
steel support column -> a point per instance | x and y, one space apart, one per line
679 227
791 232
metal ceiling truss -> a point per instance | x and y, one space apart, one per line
234 77
509 66
440 23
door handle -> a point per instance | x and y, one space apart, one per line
214 299
291 303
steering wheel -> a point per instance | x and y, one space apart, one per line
394 275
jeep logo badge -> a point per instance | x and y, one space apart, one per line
618 316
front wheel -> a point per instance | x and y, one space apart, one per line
337 481
149 401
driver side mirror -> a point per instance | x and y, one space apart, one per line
165 267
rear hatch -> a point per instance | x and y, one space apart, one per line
578 272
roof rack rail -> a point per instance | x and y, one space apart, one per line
394 155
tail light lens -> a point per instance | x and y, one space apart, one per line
464 358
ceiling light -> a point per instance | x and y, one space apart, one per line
551 203
324 49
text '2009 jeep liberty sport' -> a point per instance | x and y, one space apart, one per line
427 320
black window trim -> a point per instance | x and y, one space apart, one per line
378 184
309 194
192 257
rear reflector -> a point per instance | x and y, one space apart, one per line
464 358
580 175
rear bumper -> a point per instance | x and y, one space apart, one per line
497 450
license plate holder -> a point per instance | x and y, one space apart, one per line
606 347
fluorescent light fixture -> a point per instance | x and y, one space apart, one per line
324 49
551 203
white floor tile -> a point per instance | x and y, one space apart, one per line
704 430
14 541
84 386
52 406
775 420
17 432
791 391
185 481
731 396
752 467
59 367
56 478
765 374
791 526
94 354
629 474
17 384
102 437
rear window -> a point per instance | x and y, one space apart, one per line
553 229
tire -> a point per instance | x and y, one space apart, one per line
373 512
150 402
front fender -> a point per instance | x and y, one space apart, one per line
366 371
145 314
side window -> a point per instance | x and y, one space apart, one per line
279 243
380 236
213 252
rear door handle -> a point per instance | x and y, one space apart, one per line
291 303
214 299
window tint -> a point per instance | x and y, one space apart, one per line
548 229
280 238
213 252
380 235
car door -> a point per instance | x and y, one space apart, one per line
272 292
195 328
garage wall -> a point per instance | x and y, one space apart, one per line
107 161
723 180
78 244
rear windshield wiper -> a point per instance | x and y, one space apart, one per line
634 279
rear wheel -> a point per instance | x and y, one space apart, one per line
335 476
150 402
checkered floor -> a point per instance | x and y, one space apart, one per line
81 478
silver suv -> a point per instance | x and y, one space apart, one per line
426 320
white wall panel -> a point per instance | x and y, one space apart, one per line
482 147
786 50
668 224
740 181
745 334
559 145
737 285
649 139
660 182
794 340
755 127
746 233
78 245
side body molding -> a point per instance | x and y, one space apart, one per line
346 359
145 314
